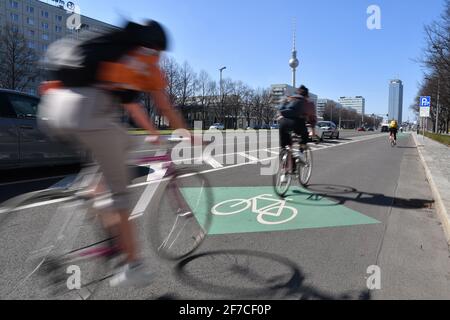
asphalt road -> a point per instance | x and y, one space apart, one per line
368 205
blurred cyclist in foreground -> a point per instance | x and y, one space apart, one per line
92 79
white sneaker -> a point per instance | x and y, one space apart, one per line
134 276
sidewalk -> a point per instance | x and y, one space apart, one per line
436 161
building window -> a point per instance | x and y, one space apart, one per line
30 9
45 25
30 21
44 14
44 47
58 18
31 33
14 17
45 36
14 4
58 29
31 44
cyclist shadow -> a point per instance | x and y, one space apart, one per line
246 274
340 195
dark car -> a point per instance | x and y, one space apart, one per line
22 143
371 129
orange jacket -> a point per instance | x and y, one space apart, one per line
138 70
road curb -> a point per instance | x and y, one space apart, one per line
440 207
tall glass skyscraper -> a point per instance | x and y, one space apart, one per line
396 100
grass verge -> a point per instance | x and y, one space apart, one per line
444 139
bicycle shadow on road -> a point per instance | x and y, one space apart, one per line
246 274
342 194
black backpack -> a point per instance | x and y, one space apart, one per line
75 61
292 108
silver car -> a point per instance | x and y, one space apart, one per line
329 129
22 143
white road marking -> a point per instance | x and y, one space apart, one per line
42 203
249 157
213 162
149 191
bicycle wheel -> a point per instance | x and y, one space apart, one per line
305 168
282 179
77 263
180 215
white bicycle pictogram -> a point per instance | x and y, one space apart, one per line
276 209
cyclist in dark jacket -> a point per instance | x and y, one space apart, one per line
294 116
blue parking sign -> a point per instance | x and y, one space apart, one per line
425 102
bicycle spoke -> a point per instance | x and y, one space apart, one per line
181 219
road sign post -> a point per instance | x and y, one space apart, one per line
425 106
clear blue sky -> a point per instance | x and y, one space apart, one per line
339 56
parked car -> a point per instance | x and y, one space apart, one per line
319 133
329 130
265 127
274 127
361 129
372 129
385 128
254 127
22 142
217 126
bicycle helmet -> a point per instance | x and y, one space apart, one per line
304 91
151 35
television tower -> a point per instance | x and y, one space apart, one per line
294 63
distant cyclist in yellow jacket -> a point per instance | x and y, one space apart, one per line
393 129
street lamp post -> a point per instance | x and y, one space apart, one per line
221 70
221 90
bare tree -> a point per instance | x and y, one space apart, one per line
18 62
248 107
187 81
206 92
268 110
172 71
437 61
222 110
237 99
258 106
